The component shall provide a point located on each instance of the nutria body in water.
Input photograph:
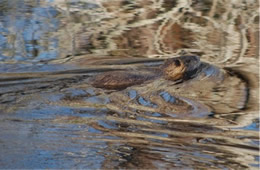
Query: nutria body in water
(174, 69)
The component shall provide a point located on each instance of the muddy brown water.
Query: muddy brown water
(51, 115)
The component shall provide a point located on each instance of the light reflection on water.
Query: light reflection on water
(25, 31)
(51, 116)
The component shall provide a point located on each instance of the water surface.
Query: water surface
(52, 117)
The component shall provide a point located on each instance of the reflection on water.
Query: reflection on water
(53, 117)
(25, 31)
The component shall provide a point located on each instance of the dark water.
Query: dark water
(51, 116)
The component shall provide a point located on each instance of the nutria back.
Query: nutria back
(119, 79)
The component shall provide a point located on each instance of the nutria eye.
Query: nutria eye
(177, 63)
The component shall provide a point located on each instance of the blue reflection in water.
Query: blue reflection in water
(132, 94)
(167, 97)
(146, 103)
(25, 31)
(38, 67)
(73, 92)
(108, 124)
(156, 115)
(93, 130)
(98, 100)
(253, 126)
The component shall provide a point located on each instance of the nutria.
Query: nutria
(174, 69)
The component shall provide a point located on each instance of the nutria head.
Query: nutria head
(178, 68)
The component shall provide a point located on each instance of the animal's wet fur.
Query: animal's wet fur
(175, 69)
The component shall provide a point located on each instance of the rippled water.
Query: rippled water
(52, 116)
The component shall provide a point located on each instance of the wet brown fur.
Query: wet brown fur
(173, 69)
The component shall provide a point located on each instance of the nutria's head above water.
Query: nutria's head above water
(183, 67)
